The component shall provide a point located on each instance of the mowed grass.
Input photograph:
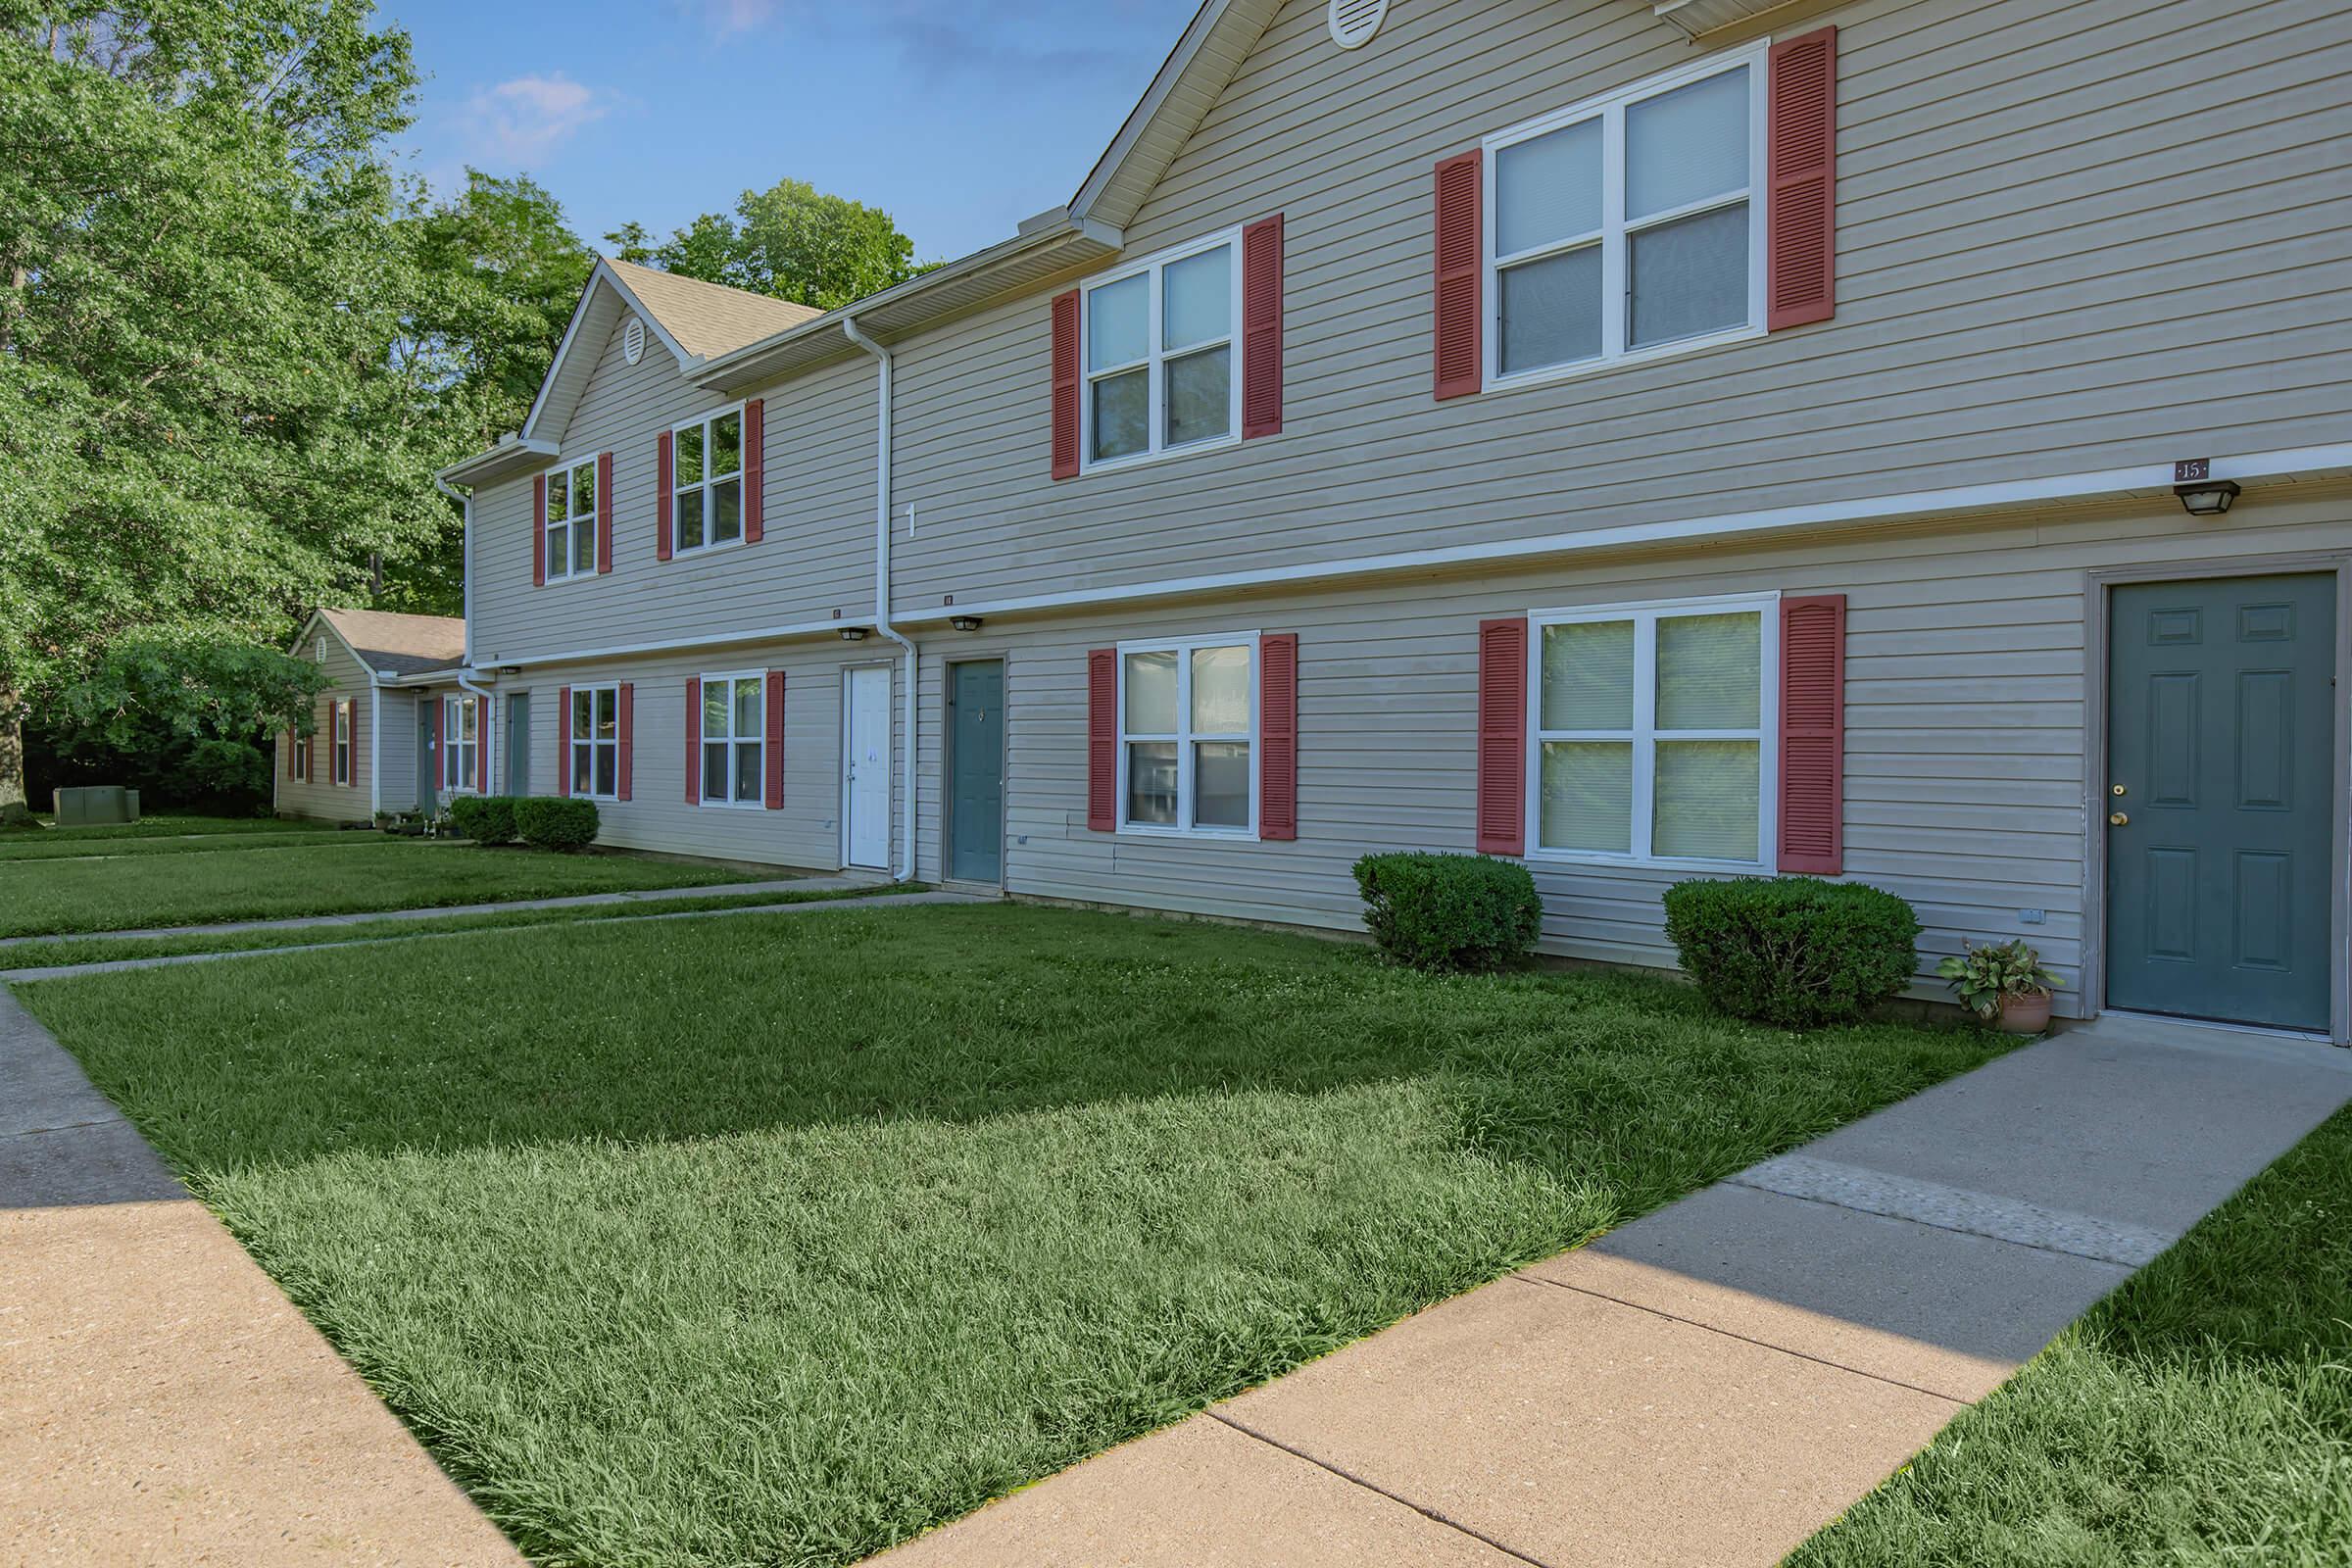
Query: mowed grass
(2202, 1414)
(83, 895)
(779, 1239)
(166, 825)
(103, 948)
(69, 845)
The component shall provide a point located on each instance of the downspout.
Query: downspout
(849, 325)
(375, 744)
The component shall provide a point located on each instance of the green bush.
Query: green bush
(555, 822)
(1794, 950)
(486, 818)
(1448, 911)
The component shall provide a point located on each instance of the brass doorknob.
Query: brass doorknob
(2116, 820)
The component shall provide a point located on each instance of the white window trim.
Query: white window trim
(547, 524)
(1613, 235)
(1644, 733)
(1156, 357)
(302, 758)
(1185, 736)
(758, 801)
(342, 757)
(743, 467)
(576, 739)
(453, 707)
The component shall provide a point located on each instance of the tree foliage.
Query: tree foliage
(175, 712)
(791, 241)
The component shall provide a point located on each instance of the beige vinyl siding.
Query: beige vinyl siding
(1966, 686)
(320, 796)
(397, 710)
(806, 832)
(816, 557)
(2060, 249)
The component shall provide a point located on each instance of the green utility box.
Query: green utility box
(88, 805)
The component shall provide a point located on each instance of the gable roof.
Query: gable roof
(1197, 72)
(397, 644)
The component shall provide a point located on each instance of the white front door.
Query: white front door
(865, 777)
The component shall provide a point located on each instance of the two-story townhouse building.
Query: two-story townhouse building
(1903, 440)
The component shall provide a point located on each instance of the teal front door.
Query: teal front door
(428, 761)
(2221, 748)
(976, 770)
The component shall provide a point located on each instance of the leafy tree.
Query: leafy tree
(178, 714)
(201, 432)
(790, 241)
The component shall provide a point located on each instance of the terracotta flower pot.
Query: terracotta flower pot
(2024, 1014)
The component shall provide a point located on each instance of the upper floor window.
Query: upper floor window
(734, 738)
(342, 762)
(1159, 350)
(707, 481)
(460, 740)
(595, 760)
(571, 522)
(1188, 719)
(1628, 225)
(1654, 732)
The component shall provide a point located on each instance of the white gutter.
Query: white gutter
(376, 741)
(882, 367)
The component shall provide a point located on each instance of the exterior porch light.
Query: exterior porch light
(852, 634)
(2201, 494)
(964, 622)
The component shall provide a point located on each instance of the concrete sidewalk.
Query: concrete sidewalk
(1715, 1382)
(161, 1402)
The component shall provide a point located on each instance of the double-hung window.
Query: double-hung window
(596, 741)
(571, 522)
(734, 739)
(707, 481)
(1161, 368)
(1655, 731)
(302, 758)
(342, 762)
(1628, 225)
(1188, 720)
(460, 740)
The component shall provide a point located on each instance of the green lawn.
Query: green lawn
(2202, 1414)
(779, 1239)
(39, 896)
(164, 825)
(106, 949)
(71, 845)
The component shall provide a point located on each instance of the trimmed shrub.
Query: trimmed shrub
(1794, 950)
(1448, 911)
(485, 819)
(555, 822)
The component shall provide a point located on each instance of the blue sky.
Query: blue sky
(959, 119)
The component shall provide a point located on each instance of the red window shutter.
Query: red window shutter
(1459, 362)
(694, 740)
(662, 502)
(1278, 736)
(1812, 809)
(627, 747)
(604, 511)
(1262, 329)
(1503, 736)
(775, 760)
(1103, 740)
(563, 740)
(1065, 384)
(539, 531)
(754, 470)
(1800, 168)
(481, 745)
(440, 766)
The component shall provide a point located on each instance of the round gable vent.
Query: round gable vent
(1354, 22)
(632, 340)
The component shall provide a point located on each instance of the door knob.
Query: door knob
(2116, 820)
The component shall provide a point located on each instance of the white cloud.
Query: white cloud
(522, 120)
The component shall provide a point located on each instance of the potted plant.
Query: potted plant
(2004, 984)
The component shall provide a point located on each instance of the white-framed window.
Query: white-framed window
(596, 742)
(302, 758)
(1187, 735)
(342, 763)
(571, 522)
(1654, 732)
(1160, 345)
(706, 457)
(734, 739)
(460, 742)
(1629, 225)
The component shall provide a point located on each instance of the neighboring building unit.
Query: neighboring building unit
(1644, 440)
(372, 746)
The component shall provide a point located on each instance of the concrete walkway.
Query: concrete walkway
(161, 1402)
(576, 901)
(1715, 1382)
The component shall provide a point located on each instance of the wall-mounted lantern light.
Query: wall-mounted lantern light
(964, 622)
(852, 634)
(2201, 494)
